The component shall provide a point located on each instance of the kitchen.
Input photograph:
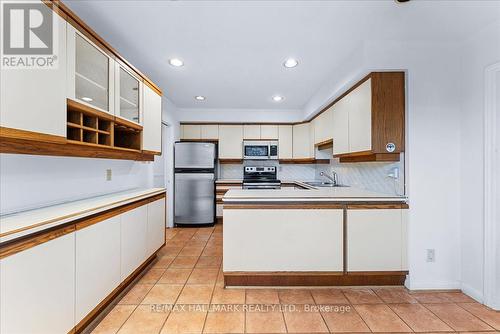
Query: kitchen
(326, 183)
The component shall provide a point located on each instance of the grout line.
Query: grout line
(487, 324)
(397, 315)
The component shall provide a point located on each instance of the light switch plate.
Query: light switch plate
(109, 174)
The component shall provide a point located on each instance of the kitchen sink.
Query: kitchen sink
(325, 184)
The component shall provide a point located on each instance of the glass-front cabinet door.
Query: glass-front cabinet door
(92, 74)
(128, 92)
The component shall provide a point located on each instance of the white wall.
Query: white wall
(478, 52)
(170, 114)
(432, 157)
(28, 181)
(432, 160)
(236, 115)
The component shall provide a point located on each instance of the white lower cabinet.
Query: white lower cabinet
(376, 240)
(133, 240)
(283, 240)
(37, 288)
(97, 264)
(156, 226)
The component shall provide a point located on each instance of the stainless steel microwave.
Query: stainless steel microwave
(260, 150)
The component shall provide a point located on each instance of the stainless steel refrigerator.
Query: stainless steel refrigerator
(194, 183)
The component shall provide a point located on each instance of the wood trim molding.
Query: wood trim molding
(67, 14)
(127, 123)
(305, 205)
(18, 245)
(313, 278)
(78, 106)
(151, 152)
(23, 243)
(230, 161)
(377, 205)
(372, 157)
(282, 206)
(326, 144)
(304, 161)
(17, 141)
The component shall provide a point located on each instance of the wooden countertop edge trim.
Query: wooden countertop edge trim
(159, 194)
(350, 206)
(69, 16)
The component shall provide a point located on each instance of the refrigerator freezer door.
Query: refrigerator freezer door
(194, 198)
(194, 155)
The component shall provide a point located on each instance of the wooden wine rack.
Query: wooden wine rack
(88, 126)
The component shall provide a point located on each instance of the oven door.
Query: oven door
(256, 151)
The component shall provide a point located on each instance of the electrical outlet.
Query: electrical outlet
(393, 173)
(109, 174)
(431, 255)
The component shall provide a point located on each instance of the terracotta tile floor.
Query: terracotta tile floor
(183, 293)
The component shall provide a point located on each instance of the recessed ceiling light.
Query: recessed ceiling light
(200, 98)
(278, 98)
(87, 99)
(290, 63)
(176, 62)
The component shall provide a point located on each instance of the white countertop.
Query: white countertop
(22, 223)
(335, 194)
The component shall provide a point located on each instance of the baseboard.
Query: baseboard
(473, 293)
(423, 285)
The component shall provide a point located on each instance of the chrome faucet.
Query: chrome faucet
(334, 179)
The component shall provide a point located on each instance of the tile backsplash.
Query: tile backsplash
(372, 176)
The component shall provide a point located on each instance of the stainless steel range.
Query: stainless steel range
(260, 178)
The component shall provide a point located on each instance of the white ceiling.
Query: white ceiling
(233, 50)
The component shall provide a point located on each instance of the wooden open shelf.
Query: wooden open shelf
(88, 126)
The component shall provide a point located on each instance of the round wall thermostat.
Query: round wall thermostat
(390, 147)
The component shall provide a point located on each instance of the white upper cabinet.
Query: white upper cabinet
(190, 131)
(152, 110)
(128, 95)
(302, 148)
(340, 127)
(360, 118)
(251, 131)
(285, 139)
(209, 131)
(269, 131)
(230, 141)
(91, 73)
(35, 99)
(322, 127)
